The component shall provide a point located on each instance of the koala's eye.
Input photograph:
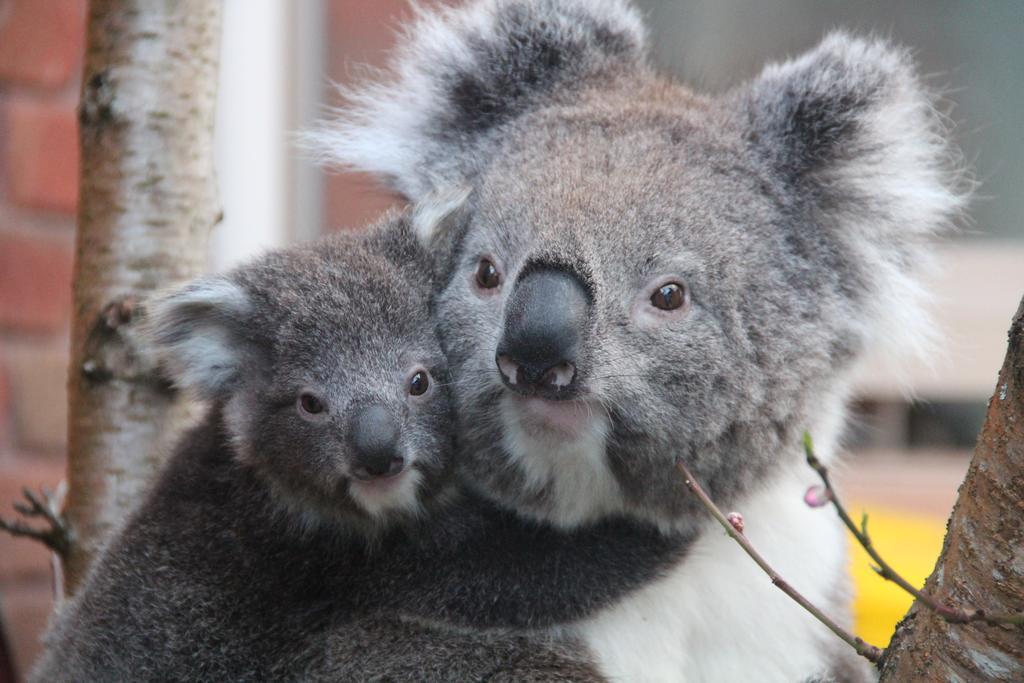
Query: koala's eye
(487, 276)
(669, 297)
(310, 403)
(419, 383)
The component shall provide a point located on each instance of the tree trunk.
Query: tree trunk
(148, 202)
(982, 560)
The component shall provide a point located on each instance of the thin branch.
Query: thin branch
(44, 506)
(883, 569)
(866, 650)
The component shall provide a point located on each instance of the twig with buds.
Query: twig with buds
(733, 525)
(44, 506)
(817, 497)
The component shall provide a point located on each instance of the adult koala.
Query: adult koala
(644, 273)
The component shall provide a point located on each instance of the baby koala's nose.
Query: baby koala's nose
(375, 444)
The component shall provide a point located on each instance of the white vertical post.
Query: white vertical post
(250, 121)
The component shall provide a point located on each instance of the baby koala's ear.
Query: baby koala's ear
(438, 214)
(422, 240)
(199, 334)
(438, 221)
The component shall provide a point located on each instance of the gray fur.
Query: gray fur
(796, 209)
(252, 558)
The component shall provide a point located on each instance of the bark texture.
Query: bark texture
(982, 560)
(148, 201)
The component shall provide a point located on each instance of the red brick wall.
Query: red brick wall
(41, 43)
(358, 33)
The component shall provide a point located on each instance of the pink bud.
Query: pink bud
(817, 496)
(736, 519)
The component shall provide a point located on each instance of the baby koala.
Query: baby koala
(302, 505)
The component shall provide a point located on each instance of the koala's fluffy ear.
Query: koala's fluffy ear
(198, 334)
(421, 243)
(462, 72)
(434, 218)
(438, 222)
(850, 125)
(859, 147)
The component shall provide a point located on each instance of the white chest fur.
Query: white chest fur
(582, 486)
(717, 617)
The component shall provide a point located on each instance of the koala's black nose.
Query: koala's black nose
(375, 443)
(545, 321)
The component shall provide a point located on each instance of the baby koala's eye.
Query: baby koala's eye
(487, 276)
(670, 296)
(311, 403)
(419, 383)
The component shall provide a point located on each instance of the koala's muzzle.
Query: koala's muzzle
(545, 322)
(375, 434)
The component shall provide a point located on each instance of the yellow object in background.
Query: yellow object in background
(910, 544)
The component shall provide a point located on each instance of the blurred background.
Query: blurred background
(279, 58)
